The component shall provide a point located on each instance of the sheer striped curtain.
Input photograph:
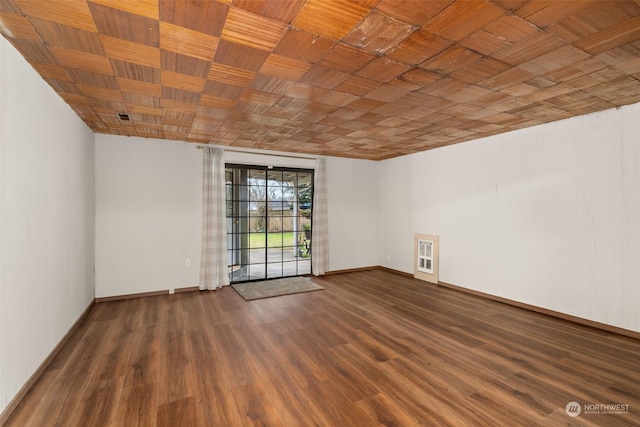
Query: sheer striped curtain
(214, 271)
(320, 229)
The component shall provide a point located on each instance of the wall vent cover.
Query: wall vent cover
(425, 258)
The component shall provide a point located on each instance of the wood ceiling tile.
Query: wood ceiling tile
(51, 71)
(306, 91)
(383, 70)
(612, 37)
(462, 18)
(393, 109)
(136, 53)
(82, 60)
(147, 131)
(34, 52)
(367, 105)
(378, 34)
(392, 122)
(499, 34)
(180, 132)
(147, 8)
(240, 56)
(576, 69)
(140, 99)
(271, 84)
(558, 58)
(597, 16)
(74, 13)
(420, 77)
(124, 25)
(303, 46)
(91, 78)
(330, 121)
(367, 78)
(511, 5)
(347, 59)
(484, 42)
(614, 89)
(324, 77)
(630, 67)
(107, 106)
(469, 93)
(443, 87)
(329, 18)
(340, 99)
(180, 95)
(620, 54)
(62, 86)
(519, 89)
(543, 13)
(595, 79)
(277, 9)
(550, 92)
(222, 90)
(568, 98)
(183, 64)
(187, 42)
(68, 37)
(131, 71)
(480, 70)
(419, 46)
(252, 30)
(209, 114)
(202, 16)
(508, 78)
(100, 92)
(540, 82)
(529, 48)
(510, 104)
(182, 81)
(347, 114)
(75, 99)
(230, 75)
(10, 7)
(252, 96)
(140, 87)
(217, 102)
(322, 109)
(365, 121)
(406, 11)
(284, 67)
(18, 27)
(451, 60)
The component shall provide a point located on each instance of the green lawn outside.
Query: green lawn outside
(273, 240)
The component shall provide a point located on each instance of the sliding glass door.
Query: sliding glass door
(268, 222)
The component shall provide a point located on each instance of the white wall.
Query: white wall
(548, 216)
(148, 215)
(353, 213)
(46, 220)
(148, 212)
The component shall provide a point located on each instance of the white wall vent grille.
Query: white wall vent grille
(426, 257)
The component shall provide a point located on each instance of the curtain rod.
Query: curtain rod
(200, 147)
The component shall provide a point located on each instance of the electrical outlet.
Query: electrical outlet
(172, 291)
(187, 262)
(388, 258)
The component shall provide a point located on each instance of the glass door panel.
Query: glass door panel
(268, 222)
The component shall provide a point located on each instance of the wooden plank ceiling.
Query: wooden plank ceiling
(370, 79)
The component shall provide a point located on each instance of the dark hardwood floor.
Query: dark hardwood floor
(373, 348)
